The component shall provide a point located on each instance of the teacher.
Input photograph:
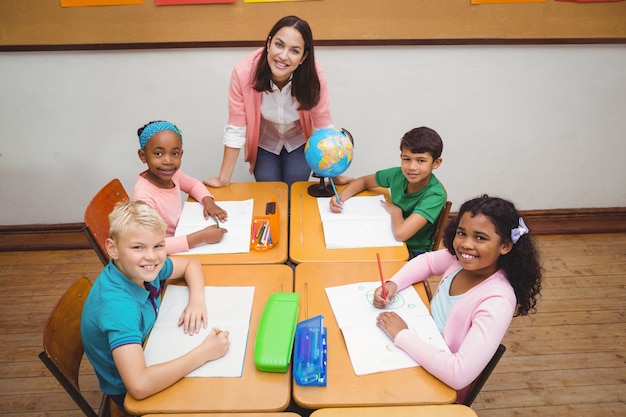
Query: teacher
(277, 98)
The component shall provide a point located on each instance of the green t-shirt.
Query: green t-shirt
(426, 202)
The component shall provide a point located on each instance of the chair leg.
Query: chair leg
(116, 411)
(104, 410)
(429, 291)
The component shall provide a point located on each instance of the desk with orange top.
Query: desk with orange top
(447, 410)
(413, 386)
(254, 391)
(262, 193)
(306, 234)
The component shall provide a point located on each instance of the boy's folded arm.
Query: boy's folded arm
(357, 185)
(191, 270)
(142, 381)
(404, 229)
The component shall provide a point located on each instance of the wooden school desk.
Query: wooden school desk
(254, 391)
(282, 414)
(262, 193)
(413, 386)
(447, 410)
(306, 235)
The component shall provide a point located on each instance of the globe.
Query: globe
(328, 152)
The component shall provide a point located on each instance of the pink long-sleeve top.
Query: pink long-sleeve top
(473, 330)
(244, 105)
(169, 205)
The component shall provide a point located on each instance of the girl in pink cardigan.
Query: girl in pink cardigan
(491, 273)
(161, 149)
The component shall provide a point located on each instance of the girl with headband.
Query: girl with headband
(161, 148)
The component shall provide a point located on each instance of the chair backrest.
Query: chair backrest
(479, 382)
(97, 216)
(441, 224)
(439, 227)
(62, 343)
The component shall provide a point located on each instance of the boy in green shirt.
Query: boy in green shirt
(417, 196)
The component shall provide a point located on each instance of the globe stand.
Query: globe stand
(321, 190)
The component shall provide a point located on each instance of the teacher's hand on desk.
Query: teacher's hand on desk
(215, 182)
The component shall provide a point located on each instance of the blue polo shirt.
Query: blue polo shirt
(117, 312)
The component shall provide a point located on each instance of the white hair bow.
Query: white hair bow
(519, 231)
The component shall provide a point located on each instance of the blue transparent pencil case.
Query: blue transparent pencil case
(310, 353)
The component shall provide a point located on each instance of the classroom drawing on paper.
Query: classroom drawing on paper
(369, 347)
(237, 240)
(228, 308)
(363, 223)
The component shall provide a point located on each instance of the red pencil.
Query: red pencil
(382, 279)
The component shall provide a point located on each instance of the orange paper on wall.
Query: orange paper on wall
(506, 1)
(82, 3)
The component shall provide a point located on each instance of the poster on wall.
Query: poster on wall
(505, 1)
(178, 2)
(82, 3)
(590, 1)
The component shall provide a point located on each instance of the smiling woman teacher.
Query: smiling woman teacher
(277, 98)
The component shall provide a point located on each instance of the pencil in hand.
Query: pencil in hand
(332, 183)
(382, 278)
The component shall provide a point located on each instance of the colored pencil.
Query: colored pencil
(382, 278)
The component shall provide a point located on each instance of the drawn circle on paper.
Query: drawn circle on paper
(396, 302)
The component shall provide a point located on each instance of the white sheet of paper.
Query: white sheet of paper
(228, 308)
(363, 223)
(236, 240)
(369, 348)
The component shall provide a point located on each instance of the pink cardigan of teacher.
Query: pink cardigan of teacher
(244, 105)
(475, 326)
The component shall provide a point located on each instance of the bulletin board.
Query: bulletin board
(38, 24)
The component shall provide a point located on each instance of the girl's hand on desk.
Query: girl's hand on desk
(380, 301)
(212, 234)
(213, 210)
(335, 207)
(194, 318)
(391, 323)
(215, 345)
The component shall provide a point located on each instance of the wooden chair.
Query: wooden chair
(439, 228)
(97, 216)
(441, 225)
(63, 348)
(479, 382)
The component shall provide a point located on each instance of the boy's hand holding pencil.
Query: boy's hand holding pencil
(336, 206)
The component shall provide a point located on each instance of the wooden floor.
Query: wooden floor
(566, 360)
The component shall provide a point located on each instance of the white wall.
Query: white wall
(541, 125)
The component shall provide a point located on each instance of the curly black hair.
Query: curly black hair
(521, 265)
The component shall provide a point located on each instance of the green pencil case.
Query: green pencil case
(276, 332)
